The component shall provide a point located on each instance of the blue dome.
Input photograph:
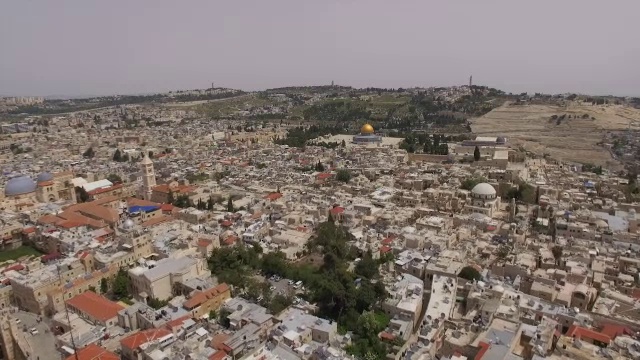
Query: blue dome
(19, 185)
(45, 176)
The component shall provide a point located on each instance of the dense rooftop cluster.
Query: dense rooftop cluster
(148, 232)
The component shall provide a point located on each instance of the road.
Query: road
(43, 344)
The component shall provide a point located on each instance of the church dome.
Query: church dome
(483, 189)
(367, 129)
(128, 224)
(19, 185)
(45, 176)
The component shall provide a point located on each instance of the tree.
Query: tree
(104, 286)
(117, 155)
(367, 267)
(81, 194)
(121, 285)
(319, 167)
(503, 252)
(279, 303)
(230, 207)
(476, 153)
(89, 153)
(157, 303)
(470, 183)
(470, 273)
(114, 178)
(557, 253)
(343, 143)
(343, 175)
(223, 317)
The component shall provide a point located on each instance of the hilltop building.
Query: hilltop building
(367, 135)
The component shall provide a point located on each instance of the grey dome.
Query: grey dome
(484, 189)
(45, 176)
(19, 185)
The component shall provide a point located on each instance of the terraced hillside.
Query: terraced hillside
(570, 133)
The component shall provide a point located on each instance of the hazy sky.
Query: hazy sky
(132, 46)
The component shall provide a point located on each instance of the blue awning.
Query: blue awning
(147, 208)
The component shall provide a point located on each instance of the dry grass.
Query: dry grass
(574, 139)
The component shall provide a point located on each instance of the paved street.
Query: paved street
(42, 344)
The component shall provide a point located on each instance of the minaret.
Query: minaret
(149, 176)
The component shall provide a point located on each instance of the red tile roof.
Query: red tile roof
(29, 230)
(323, 176)
(177, 322)
(387, 336)
(105, 189)
(200, 297)
(93, 352)
(167, 207)
(613, 330)
(16, 267)
(134, 341)
(180, 189)
(273, 196)
(218, 355)
(95, 306)
(484, 347)
(204, 242)
(230, 240)
(583, 333)
(337, 210)
(384, 249)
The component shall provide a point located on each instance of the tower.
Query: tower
(471, 81)
(148, 176)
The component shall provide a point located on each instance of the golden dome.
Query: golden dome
(366, 129)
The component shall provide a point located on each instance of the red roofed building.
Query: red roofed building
(484, 347)
(588, 335)
(218, 355)
(131, 344)
(337, 212)
(100, 193)
(323, 178)
(95, 308)
(161, 193)
(202, 302)
(613, 330)
(273, 196)
(384, 249)
(93, 352)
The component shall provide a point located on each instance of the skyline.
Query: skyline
(82, 49)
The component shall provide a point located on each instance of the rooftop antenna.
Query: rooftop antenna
(66, 310)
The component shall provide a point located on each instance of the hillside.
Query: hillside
(571, 133)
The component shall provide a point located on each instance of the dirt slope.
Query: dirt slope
(575, 139)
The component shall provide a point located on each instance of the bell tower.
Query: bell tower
(148, 177)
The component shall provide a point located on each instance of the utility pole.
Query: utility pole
(66, 310)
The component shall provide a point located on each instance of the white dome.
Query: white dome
(483, 189)
(128, 224)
